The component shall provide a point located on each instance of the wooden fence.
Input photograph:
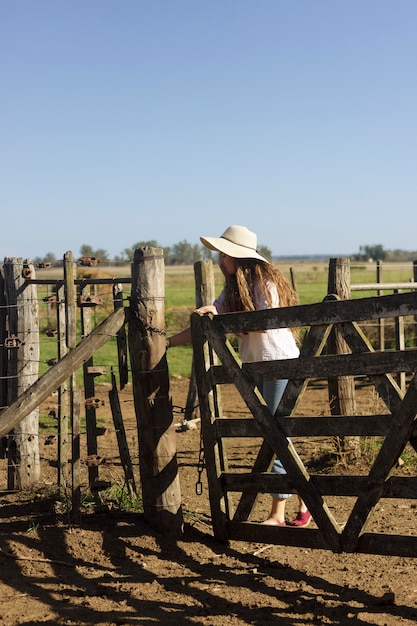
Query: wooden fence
(331, 324)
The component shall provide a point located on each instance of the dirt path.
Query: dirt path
(114, 570)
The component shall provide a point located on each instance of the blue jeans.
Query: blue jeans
(272, 391)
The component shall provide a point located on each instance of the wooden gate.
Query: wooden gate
(217, 363)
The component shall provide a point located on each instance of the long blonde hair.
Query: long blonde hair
(240, 287)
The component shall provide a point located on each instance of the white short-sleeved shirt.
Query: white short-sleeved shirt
(270, 345)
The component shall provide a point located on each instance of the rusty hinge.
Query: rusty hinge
(89, 300)
(26, 272)
(52, 298)
(93, 460)
(51, 362)
(93, 403)
(89, 261)
(12, 341)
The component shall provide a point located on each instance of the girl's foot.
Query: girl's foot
(302, 520)
(273, 522)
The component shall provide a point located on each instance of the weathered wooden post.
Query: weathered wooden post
(293, 279)
(64, 409)
(415, 317)
(89, 387)
(342, 389)
(3, 358)
(204, 294)
(22, 344)
(381, 322)
(74, 404)
(151, 391)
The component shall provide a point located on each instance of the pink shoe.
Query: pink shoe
(302, 520)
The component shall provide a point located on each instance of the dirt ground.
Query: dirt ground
(114, 570)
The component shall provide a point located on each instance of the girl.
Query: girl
(253, 283)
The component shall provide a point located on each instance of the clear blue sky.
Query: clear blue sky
(133, 120)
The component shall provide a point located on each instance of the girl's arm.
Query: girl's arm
(184, 336)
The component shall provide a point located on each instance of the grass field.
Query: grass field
(310, 280)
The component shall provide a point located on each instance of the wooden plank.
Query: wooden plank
(70, 299)
(358, 364)
(341, 387)
(204, 294)
(64, 400)
(328, 312)
(121, 437)
(76, 458)
(329, 485)
(89, 391)
(3, 357)
(369, 543)
(256, 533)
(389, 545)
(306, 426)
(209, 410)
(122, 356)
(70, 273)
(53, 378)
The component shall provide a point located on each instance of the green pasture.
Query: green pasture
(310, 281)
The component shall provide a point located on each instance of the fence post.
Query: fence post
(415, 317)
(293, 279)
(341, 389)
(70, 273)
(22, 369)
(64, 409)
(89, 390)
(121, 338)
(381, 322)
(3, 358)
(151, 392)
(204, 294)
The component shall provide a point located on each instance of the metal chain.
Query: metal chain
(200, 467)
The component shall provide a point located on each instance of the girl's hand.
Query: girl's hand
(208, 308)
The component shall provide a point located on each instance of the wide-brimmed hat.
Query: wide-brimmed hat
(237, 242)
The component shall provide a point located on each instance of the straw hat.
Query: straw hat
(237, 242)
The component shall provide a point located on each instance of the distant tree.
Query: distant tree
(146, 244)
(375, 252)
(184, 253)
(266, 252)
(128, 253)
(50, 257)
(206, 253)
(87, 250)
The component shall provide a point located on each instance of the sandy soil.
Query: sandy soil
(114, 570)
